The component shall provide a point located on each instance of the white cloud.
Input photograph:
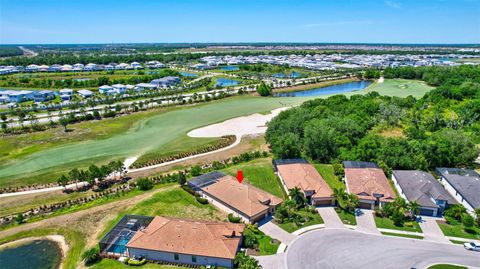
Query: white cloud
(393, 4)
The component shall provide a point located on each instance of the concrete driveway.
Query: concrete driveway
(275, 232)
(343, 248)
(366, 221)
(431, 230)
(330, 217)
(276, 261)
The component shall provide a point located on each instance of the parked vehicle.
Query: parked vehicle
(472, 246)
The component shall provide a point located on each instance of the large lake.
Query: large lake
(333, 89)
(38, 254)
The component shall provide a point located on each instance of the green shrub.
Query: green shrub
(233, 219)
(468, 220)
(91, 256)
(137, 263)
(189, 189)
(201, 200)
(144, 184)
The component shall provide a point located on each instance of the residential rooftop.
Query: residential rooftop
(365, 182)
(422, 187)
(193, 237)
(243, 197)
(465, 181)
(299, 173)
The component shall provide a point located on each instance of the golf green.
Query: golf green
(153, 133)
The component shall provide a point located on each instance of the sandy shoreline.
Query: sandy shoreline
(59, 239)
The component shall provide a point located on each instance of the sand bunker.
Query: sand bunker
(247, 125)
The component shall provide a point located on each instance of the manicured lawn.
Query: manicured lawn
(260, 174)
(446, 266)
(346, 217)
(400, 87)
(175, 203)
(114, 264)
(292, 227)
(326, 171)
(267, 245)
(456, 229)
(387, 223)
(403, 235)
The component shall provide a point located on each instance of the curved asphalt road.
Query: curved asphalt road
(342, 248)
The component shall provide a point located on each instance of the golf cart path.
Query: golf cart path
(239, 126)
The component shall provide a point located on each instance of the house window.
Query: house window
(194, 259)
(175, 256)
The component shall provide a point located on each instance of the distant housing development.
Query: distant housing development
(241, 199)
(369, 183)
(421, 187)
(299, 173)
(463, 185)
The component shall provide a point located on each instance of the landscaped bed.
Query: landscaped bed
(314, 218)
(386, 223)
(446, 266)
(457, 229)
(346, 217)
(259, 243)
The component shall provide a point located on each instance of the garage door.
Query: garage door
(323, 202)
(426, 212)
(365, 205)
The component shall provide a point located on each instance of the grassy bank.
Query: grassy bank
(75, 239)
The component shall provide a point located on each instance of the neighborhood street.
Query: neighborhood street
(343, 248)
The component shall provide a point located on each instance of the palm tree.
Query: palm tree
(297, 196)
(339, 195)
(414, 208)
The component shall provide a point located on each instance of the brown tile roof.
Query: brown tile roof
(191, 237)
(364, 182)
(306, 177)
(243, 197)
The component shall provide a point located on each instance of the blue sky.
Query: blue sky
(148, 21)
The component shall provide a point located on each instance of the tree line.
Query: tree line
(439, 130)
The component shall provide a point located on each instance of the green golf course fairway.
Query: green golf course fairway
(152, 133)
(397, 87)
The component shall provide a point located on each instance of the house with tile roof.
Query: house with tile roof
(299, 173)
(241, 199)
(463, 185)
(369, 183)
(422, 187)
(191, 242)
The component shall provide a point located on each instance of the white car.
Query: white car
(472, 246)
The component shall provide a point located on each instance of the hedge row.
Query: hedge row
(226, 141)
(48, 209)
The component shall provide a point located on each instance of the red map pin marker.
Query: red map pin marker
(239, 176)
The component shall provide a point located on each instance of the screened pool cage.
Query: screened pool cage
(115, 241)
